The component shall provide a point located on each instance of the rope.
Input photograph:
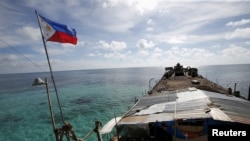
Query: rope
(67, 130)
(90, 133)
(19, 53)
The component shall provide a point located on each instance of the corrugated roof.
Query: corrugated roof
(188, 104)
(236, 108)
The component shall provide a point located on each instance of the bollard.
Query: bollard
(235, 87)
(97, 130)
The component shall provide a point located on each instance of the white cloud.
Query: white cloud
(247, 42)
(80, 43)
(144, 44)
(173, 38)
(117, 15)
(142, 6)
(91, 55)
(30, 32)
(54, 50)
(157, 52)
(143, 53)
(239, 33)
(97, 53)
(115, 20)
(7, 58)
(150, 22)
(110, 3)
(114, 55)
(216, 46)
(234, 51)
(236, 54)
(115, 46)
(67, 45)
(195, 28)
(238, 23)
(177, 39)
(175, 54)
(149, 29)
(117, 56)
(184, 17)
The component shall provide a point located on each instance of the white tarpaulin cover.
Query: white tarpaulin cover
(110, 125)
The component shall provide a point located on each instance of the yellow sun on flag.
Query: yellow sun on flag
(48, 28)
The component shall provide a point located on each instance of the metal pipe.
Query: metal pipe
(249, 94)
(50, 108)
(175, 117)
(51, 72)
(235, 87)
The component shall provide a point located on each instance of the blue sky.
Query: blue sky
(125, 33)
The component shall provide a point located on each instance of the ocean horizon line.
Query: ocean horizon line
(109, 68)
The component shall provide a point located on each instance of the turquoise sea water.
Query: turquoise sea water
(86, 96)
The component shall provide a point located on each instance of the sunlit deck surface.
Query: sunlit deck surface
(183, 82)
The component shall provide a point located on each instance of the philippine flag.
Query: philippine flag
(57, 32)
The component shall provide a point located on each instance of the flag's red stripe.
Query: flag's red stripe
(62, 37)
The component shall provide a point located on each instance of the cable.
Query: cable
(22, 55)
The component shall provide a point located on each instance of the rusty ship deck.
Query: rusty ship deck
(183, 82)
(186, 103)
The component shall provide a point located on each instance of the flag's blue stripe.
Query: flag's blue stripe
(60, 27)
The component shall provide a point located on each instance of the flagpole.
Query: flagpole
(51, 73)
